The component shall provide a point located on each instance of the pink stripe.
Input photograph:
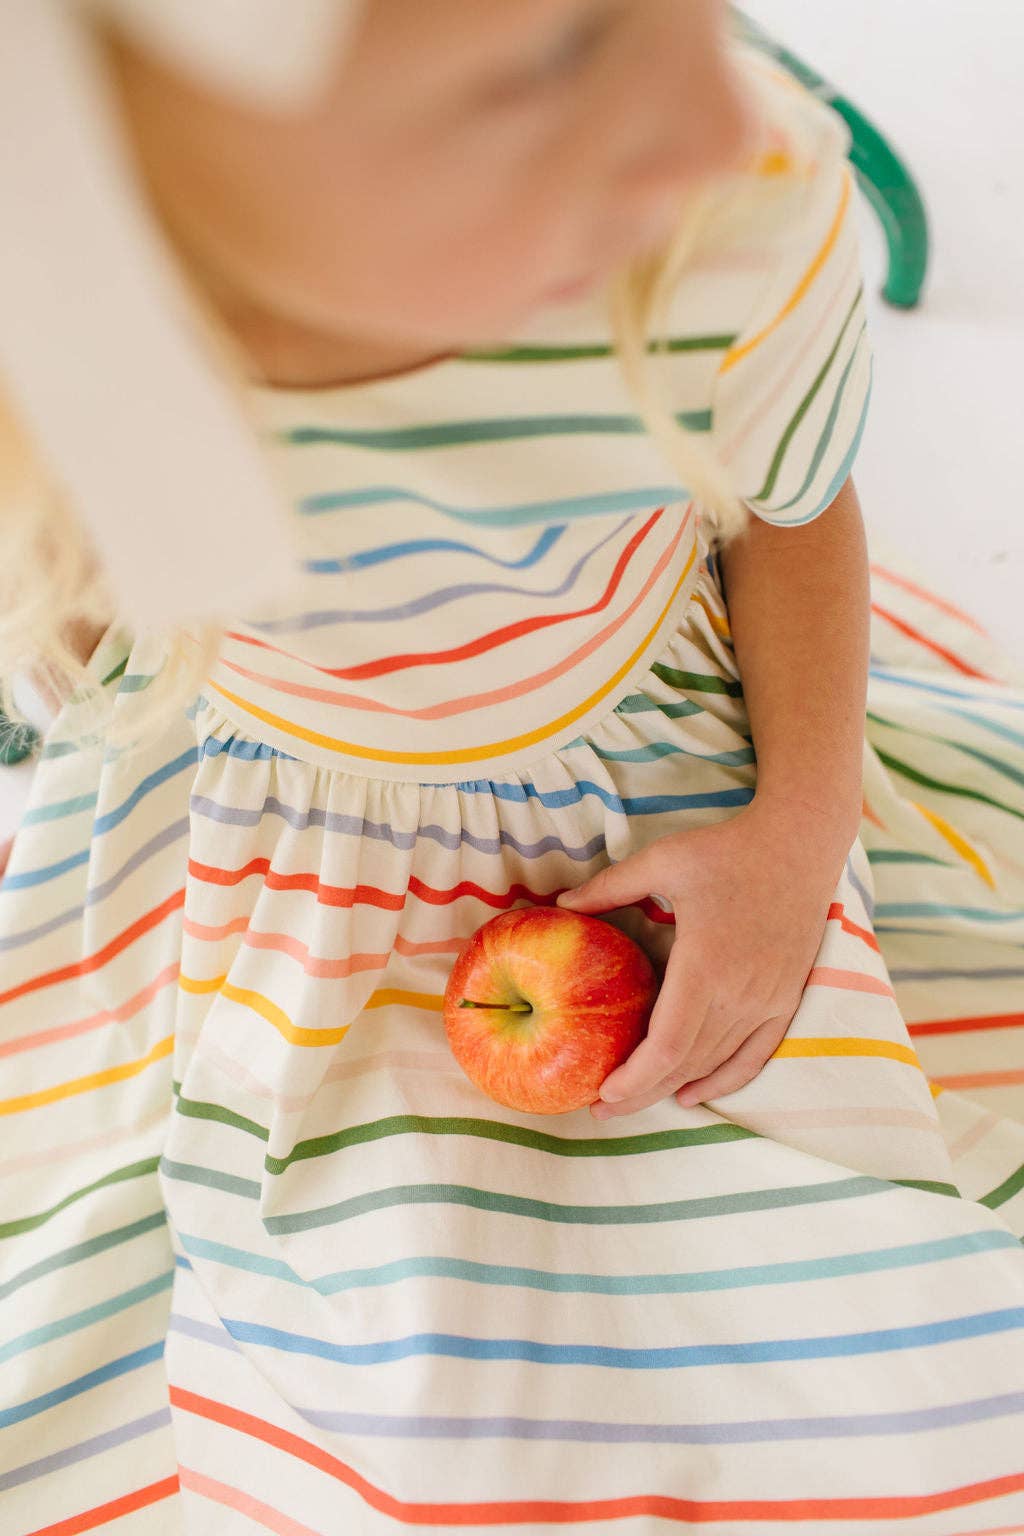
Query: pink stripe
(95, 1020)
(233, 1498)
(929, 597)
(848, 981)
(475, 700)
(51, 1155)
(314, 965)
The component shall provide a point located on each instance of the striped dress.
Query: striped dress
(268, 1260)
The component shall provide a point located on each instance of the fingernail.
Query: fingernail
(612, 1095)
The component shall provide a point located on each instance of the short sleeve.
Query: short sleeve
(790, 398)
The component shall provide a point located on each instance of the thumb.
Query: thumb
(618, 885)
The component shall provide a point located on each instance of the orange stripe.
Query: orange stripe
(487, 642)
(930, 597)
(95, 1020)
(736, 354)
(565, 1512)
(485, 749)
(869, 815)
(931, 645)
(958, 1026)
(848, 981)
(102, 1514)
(97, 961)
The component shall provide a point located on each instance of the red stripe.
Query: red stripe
(102, 1514)
(837, 912)
(932, 645)
(97, 961)
(563, 1512)
(486, 642)
(954, 1026)
(366, 895)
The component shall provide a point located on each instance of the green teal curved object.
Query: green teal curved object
(16, 741)
(883, 177)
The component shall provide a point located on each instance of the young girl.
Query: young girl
(269, 1260)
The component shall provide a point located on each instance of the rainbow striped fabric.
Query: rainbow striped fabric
(268, 1261)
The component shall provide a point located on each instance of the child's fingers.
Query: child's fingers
(738, 1069)
(617, 885)
(678, 1015)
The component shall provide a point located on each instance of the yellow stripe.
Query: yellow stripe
(960, 844)
(388, 995)
(844, 1045)
(463, 754)
(266, 1010)
(936, 1089)
(190, 984)
(718, 624)
(162, 1048)
(736, 354)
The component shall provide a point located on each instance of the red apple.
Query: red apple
(543, 1003)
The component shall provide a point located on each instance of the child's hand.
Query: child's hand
(751, 902)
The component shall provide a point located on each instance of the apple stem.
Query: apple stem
(505, 1007)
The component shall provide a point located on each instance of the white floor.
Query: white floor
(938, 463)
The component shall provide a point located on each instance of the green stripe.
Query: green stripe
(995, 763)
(804, 406)
(574, 1215)
(640, 704)
(451, 434)
(697, 682)
(949, 789)
(1004, 1191)
(117, 1176)
(116, 673)
(485, 1130)
(197, 1109)
(902, 856)
(512, 1135)
(932, 1186)
(68, 1256)
(539, 354)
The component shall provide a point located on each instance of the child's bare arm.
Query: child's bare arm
(799, 610)
(750, 894)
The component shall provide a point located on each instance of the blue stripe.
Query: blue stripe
(47, 872)
(750, 1352)
(945, 692)
(152, 781)
(825, 438)
(379, 556)
(635, 805)
(438, 598)
(514, 515)
(120, 1367)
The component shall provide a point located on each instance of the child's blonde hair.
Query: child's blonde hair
(53, 594)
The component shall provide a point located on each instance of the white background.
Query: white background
(940, 463)
(939, 467)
